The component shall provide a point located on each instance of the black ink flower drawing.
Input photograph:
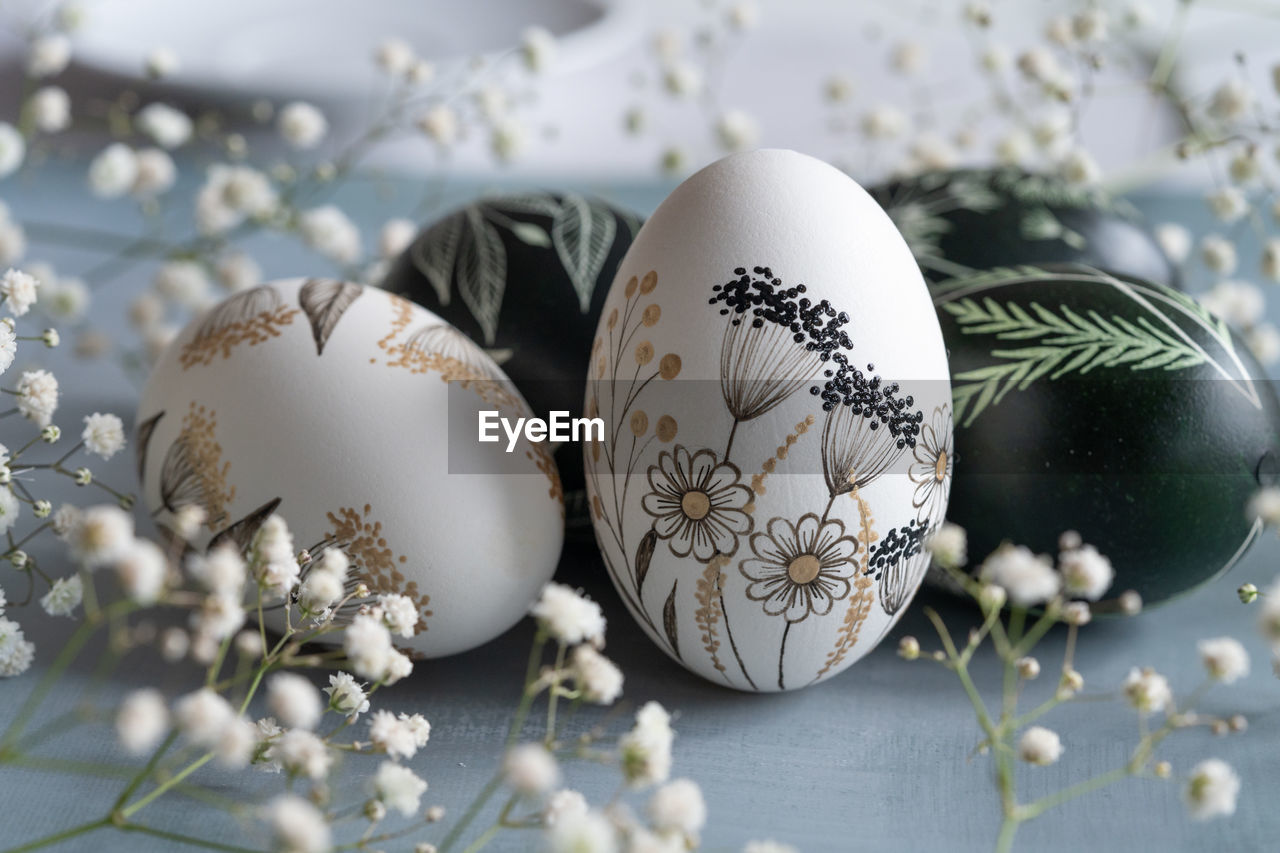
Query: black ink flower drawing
(697, 503)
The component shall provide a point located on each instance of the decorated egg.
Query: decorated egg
(776, 418)
(352, 413)
(524, 277)
(974, 219)
(1110, 406)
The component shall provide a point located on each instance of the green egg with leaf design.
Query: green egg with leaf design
(1108, 405)
(962, 221)
(524, 276)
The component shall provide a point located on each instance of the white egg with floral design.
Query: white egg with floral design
(777, 443)
(352, 414)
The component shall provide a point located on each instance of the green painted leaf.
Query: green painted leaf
(436, 252)
(583, 235)
(482, 272)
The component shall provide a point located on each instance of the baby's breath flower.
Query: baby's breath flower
(1219, 254)
(50, 109)
(301, 753)
(102, 535)
(682, 79)
(221, 569)
(591, 832)
(298, 826)
(569, 616)
(367, 643)
(1085, 573)
(10, 509)
(1147, 690)
(948, 544)
(1212, 790)
(236, 744)
(538, 49)
(908, 57)
(646, 750)
(51, 434)
(884, 122)
(1039, 746)
(346, 695)
(1027, 578)
(1014, 148)
(160, 63)
(440, 124)
(37, 396)
(167, 127)
(40, 509)
(1028, 668)
(51, 338)
(320, 590)
(1079, 167)
(302, 125)
(909, 648)
(1090, 25)
(16, 651)
(13, 148)
(398, 737)
(1224, 659)
(394, 56)
(564, 804)
(1076, 613)
(1231, 100)
(20, 291)
(598, 678)
(399, 614)
(294, 700)
(202, 716)
(737, 130)
(8, 346)
(113, 171)
(237, 272)
(156, 173)
(220, 615)
(142, 720)
(18, 558)
(838, 89)
(49, 55)
(249, 645)
(994, 59)
(232, 193)
(678, 808)
(1175, 240)
(103, 434)
(83, 476)
(395, 237)
(530, 768)
(1130, 602)
(64, 596)
(1240, 303)
(1228, 204)
(673, 160)
(508, 139)
(331, 233)
(184, 283)
(399, 788)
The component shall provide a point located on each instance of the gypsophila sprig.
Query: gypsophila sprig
(1040, 595)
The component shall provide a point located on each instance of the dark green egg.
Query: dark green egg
(525, 277)
(1111, 406)
(976, 219)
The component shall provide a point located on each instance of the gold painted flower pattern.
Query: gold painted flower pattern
(373, 559)
(193, 472)
(931, 470)
(698, 504)
(801, 568)
(252, 317)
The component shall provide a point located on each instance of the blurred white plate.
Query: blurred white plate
(323, 49)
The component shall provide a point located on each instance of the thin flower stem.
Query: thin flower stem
(513, 734)
(159, 790)
(146, 771)
(498, 825)
(59, 837)
(1008, 828)
(185, 839)
(554, 696)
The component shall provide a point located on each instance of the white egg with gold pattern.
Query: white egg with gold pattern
(352, 414)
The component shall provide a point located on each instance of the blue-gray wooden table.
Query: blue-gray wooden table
(878, 758)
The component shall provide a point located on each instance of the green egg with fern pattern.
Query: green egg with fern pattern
(1089, 401)
(523, 276)
(967, 220)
